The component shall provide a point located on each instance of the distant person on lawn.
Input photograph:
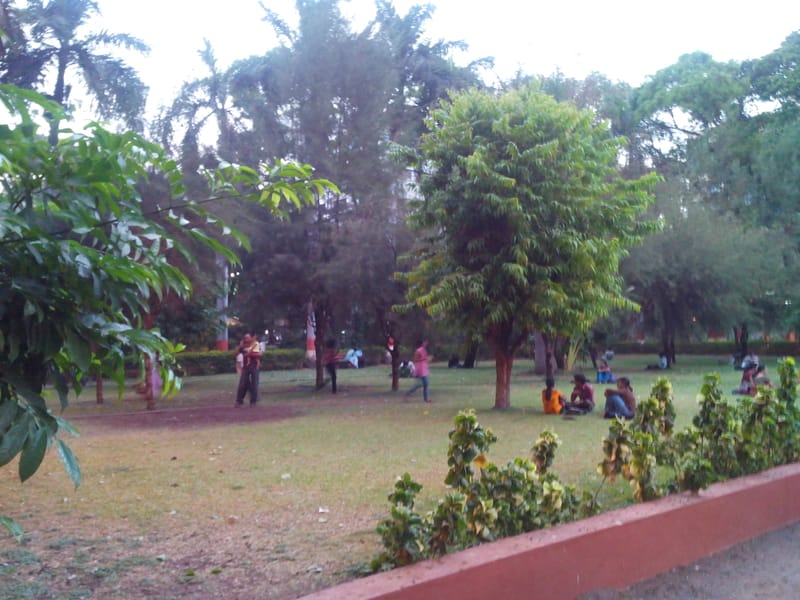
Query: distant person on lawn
(552, 400)
(421, 358)
(248, 380)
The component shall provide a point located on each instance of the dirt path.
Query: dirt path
(766, 567)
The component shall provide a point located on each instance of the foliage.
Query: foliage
(404, 533)
(493, 503)
(47, 38)
(544, 451)
(496, 502)
(522, 197)
(83, 262)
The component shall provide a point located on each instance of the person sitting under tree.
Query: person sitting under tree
(552, 400)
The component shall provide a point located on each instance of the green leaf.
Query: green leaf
(13, 439)
(13, 527)
(32, 453)
(8, 410)
(70, 462)
(65, 425)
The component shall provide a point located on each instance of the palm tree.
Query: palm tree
(57, 48)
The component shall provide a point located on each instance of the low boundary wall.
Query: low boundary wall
(609, 551)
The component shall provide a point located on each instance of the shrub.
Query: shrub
(489, 502)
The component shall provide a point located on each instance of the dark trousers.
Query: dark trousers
(331, 367)
(248, 381)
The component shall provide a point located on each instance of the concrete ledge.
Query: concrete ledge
(612, 550)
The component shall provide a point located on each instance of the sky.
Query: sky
(626, 40)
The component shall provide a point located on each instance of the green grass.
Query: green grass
(307, 489)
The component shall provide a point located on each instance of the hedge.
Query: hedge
(276, 359)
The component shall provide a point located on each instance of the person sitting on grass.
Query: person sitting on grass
(747, 384)
(620, 401)
(760, 379)
(581, 400)
(663, 362)
(552, 400)
(604, 374)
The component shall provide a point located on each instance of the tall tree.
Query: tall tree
(525, 218)
(58, 53)
(340, 100)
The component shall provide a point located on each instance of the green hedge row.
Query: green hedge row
(216, 361)
(760, 347)
(276, 359)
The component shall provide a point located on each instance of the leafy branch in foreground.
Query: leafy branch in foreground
(82, 262)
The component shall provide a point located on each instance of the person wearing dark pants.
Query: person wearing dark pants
(248, 381)
(329, 359)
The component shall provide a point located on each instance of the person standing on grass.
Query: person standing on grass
(421, 359)
(248, 380)
(330, 358)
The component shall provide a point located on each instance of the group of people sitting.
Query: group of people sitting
(754, 375)
(620, 400)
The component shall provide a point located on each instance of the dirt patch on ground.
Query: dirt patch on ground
(214, 414)
(189, 418)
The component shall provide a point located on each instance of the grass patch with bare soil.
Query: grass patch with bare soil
(203, 500)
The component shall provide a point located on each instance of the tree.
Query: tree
(339, 100)
(82, 261)
(703, 272)
(54, 49)
(525, 218)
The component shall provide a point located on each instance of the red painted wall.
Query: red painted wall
(612, 550)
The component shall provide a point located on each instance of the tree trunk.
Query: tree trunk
(319, 350)
(392, 347)
(504, 361)
(149, 397)
(471, 355)
(549, 344)
(98, 388)
(540, 361)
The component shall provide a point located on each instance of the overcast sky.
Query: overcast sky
(626, 40)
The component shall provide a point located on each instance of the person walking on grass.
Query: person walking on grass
(248, 380)
(421, 359)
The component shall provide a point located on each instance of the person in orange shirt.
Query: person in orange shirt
(552, 400)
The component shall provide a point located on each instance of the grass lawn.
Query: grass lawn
(274, 508)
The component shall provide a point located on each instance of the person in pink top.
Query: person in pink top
(421, 359)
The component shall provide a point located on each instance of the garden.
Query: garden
(200, 499)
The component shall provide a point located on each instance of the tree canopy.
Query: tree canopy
(524, 218)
